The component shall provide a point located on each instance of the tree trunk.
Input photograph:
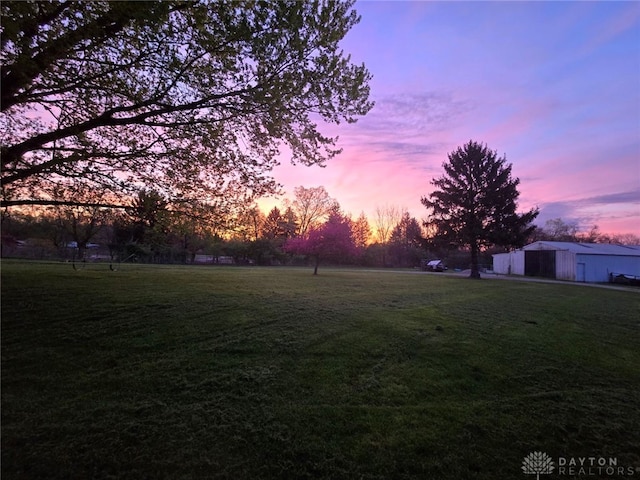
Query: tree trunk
(82, 248)
(475, 271)
(315, 270)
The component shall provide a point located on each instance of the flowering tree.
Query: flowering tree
(332, 240)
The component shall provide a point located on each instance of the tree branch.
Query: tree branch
(107, 119)
(63, 203)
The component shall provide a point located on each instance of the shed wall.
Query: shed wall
(565, 265)
(511, 263)
(598, 267)
(517, 262)
(501, 263)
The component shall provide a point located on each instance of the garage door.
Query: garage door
(540, 263)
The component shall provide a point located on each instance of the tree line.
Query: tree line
(153, 229)
(309, 229)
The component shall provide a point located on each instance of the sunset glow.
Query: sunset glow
(553, 86)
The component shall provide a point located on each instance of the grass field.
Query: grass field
(258, 373)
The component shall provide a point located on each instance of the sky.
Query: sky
(552, 86)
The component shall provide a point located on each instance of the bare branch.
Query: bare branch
(53, 203)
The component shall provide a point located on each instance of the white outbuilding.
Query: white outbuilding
(580, 262)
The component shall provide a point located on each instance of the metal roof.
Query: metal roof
(587, 248)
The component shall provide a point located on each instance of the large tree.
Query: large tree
(190, 98)
(475, 202)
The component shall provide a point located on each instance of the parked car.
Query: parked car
(434, 266)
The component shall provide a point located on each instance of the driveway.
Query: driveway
(521, 278)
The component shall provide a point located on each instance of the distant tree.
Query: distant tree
(79, 215)
(332, 240)
(475, 201)
(18, 225)
(289, 223)
(186, 97)
(558, 230)
(406, 241)
(374, 255)
(238, 249)
(593, 235)
(250, 221)
(271, 227)
(145, 228)
(386, 218)
(621, 239)
(265, 251)
(187, 235)
(149, 211)
(361, 231)
(311, 207)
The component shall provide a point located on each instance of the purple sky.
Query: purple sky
(553, 86)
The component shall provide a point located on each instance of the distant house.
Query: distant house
(579, 262)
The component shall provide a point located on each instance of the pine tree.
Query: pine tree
(474, 204)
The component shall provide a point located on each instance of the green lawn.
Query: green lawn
(256, 373)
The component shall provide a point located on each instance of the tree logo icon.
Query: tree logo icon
(537, 463)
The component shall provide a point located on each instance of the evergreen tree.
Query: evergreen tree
(406, 241)
(474, 204)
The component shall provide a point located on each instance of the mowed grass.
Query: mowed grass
(259, 373)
